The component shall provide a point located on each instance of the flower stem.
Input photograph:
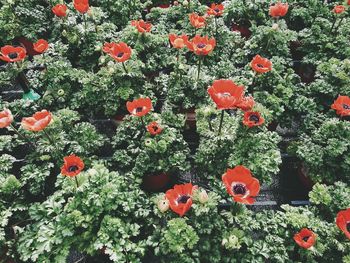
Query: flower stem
(335, 20)
(143, 123)
(76, 181)
(85, 24)
(53, 143)
(199, 67)
(339, 24)
(125, 69)
(22, 136)
(216, 27)
(221, 121)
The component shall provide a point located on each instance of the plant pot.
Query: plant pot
(304, 178)
(156, 183)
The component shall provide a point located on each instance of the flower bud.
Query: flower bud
(275, 26)
(60, 92)
(203, 196)
(163, 205)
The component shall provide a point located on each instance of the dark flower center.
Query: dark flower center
(73, 168)
(305, 239)
(260, 65)
(217, 10)
(155, 128)
(201, 45)
(346, 106)
(183, 199)
(348, 226)
(239, 189)
(120, 54)
(139, 109)
(13, 55)
(254, 118)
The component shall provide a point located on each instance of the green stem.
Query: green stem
(76, 180)
(143, 123)
(216, 27)
(221, 121)
(339, 24)
(335, 20)
(22, 136)
(53, 143)
(125, 69)
(199, 67)
(85, 24)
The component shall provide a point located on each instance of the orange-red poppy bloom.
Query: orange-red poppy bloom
(252, 118)
(154, 128)
(82, 6)
(201, 46)
(348, 2)
(196, 20)
(41, 46)
(60, 10)
(141, 26)
(241, 185)
(339, 9)
(38, 121)
(72, 166)
(247, 103)
(343, 222)
(305, 238)
(260, 64)
(178, 41)
(121, 52)
(139, 107)
(226, 94)
(180, 198)
(12, 54)
(279, 9)
(342, 106)
(6, 118)
(215, 10)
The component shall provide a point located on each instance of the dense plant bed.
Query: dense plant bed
(174, 131)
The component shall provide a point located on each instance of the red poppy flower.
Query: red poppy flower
(260, 64)
(38, 121)
(252, 118)
(343, 221)
(305, 238)
(60, 10)
(196, 20)
(178, 41)
(180, 198)
(338, 9)
(215, 10)
(141, 26)
(154, 128)
(246, 104)
(342, 106)
(348, 2)
(12, 54)
(139, 107)
(201, 46)
(6, 118)
(82, 6)
(121, 52)
(226, 94)
(72, 166)
(41, 46)
(279, 9)
(241, 185)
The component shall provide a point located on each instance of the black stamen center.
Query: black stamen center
(239, 189)
(260, 66)
(183, 199)
(346, 106)
(73, 168)
(217, 10)
(13, 55)
(139, 109)
(348, 226)
(305, 239)
(155, 128)
(120, 54)
(254, 118)
(201, 45)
